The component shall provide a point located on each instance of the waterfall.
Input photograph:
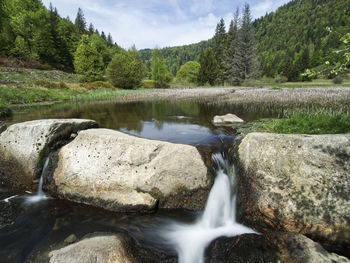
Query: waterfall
(218, 219)
(39, 195)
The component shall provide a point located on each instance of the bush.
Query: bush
(148, 84)
(281, 79)
(98, 85)
(338, 80)
(43, 83)
(252, 83)
(188, 73)
(126, 70)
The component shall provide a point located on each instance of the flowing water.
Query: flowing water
(218, 219)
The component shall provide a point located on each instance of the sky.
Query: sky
(159, 23)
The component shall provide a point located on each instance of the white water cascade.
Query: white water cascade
(218, 219)
(39, 195)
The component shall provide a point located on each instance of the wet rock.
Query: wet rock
(296, 183)
(120, 172)
(3, 126)
(24, 146)
(71, 239)
(270, 247)
(98, 249)
(226, 119)
(5, 113)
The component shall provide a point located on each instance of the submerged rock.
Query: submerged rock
(24, 146)
(296, 183)
(270, 247)
(120, 172)
(98, 249)
(226, 119)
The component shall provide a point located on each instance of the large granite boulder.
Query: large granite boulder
(120, 172)
(24, 147)
(98, 249)
(269, 247)
(296, 183)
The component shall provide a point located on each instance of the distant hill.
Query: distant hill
(175, 57)
(295, 35)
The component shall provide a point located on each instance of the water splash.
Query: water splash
(218, 219)
(40, 194)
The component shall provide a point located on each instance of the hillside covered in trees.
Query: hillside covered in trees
(291, 39)
(39, 37)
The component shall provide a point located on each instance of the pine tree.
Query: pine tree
(219, 45)
(208, 68)
(245, 60)
(87, 61)
(109, 40)
(80, 22)
(103, 35)
(91, 29)
(232, 38)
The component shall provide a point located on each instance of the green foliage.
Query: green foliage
(80, 22)
(219, 46)
(319, 122)
(160, 74)
(148, 84)
(208, 67)
(126, 70)
(175, 57)
(98, 85)
(87, 61)
(298, 26)
(338, 80)
(188, 73)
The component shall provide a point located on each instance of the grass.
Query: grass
(311, 122)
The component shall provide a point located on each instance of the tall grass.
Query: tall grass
(311, 122)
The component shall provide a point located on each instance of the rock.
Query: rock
(120, 172)
(296, 183)
(71, 239)
(3, 126)
(24, 147)
(226, 119)
(270, 247)
(99, 249)
(5, 113)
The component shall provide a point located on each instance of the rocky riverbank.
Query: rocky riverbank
(287, 183)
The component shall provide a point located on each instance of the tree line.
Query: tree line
(32, 33)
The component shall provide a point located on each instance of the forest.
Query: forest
(297, 42)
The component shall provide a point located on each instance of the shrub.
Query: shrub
(338, 80)
(148, 84)
(252, 83)
(188, 73)
(281, 79)
(98, 85)
(126, 70)
(43, 83)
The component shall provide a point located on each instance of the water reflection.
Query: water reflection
(180, 122)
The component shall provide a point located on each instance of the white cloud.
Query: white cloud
(156, 22)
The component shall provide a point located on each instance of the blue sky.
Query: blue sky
(159, 23)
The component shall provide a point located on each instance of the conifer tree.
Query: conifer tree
(208, 68)
(109, 40)
(91, 29)
(232, 38)
(87, 61)
(80, 22)
(219, 45)
(245, 61)
(103, 35)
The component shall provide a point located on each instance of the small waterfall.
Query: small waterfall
(39, 195)
(218, 219)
